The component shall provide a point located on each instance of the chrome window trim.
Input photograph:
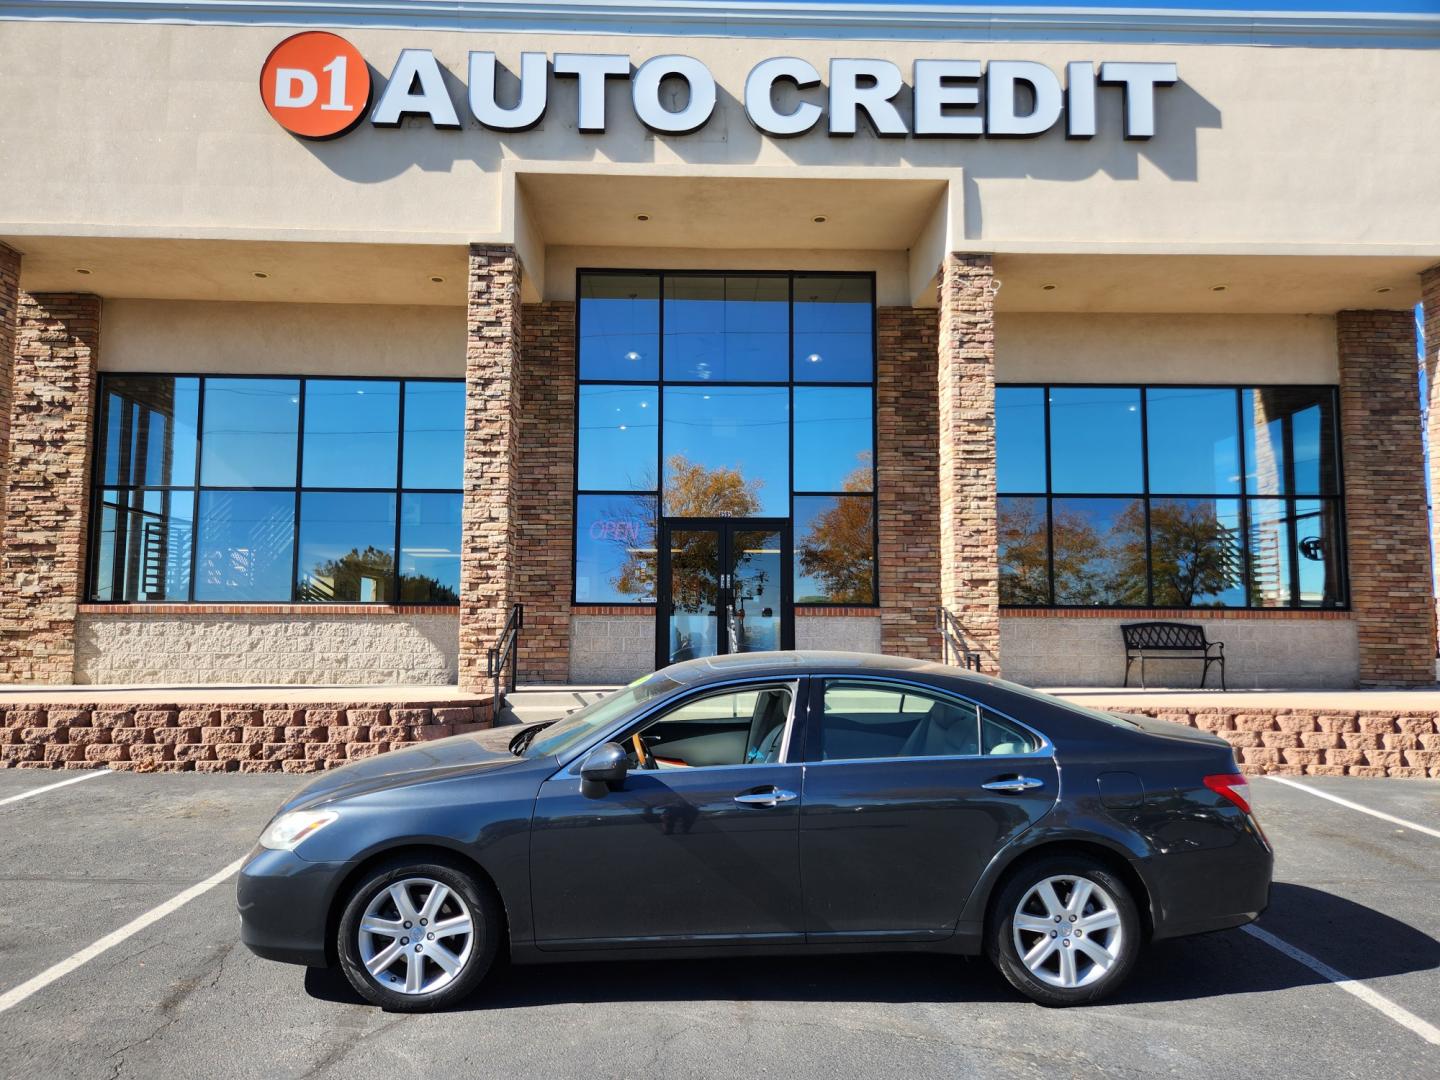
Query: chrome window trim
(683, 697)
(1046, 749)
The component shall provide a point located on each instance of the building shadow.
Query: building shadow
(1364, 944)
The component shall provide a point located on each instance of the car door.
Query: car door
(699, 845)
(908, 794)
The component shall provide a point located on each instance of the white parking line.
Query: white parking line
(52, 787)
(1379, 1002)
(11, 998)
(1356, 806)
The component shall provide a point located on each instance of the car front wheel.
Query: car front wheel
(417, 935)
(1065, 931)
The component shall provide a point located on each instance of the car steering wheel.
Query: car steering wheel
(642, 752)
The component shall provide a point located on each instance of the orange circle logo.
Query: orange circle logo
(316, 85)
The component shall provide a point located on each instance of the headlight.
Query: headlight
(287, 831)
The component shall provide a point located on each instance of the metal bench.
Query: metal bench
(1171, 641)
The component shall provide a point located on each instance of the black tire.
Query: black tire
(1093, 984)
(485, 917)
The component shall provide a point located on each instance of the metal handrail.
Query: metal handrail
(952, 640)
(505, 654)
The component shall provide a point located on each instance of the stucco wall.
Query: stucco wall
(308, 649)
(847, 633)
(1230, 348)
(611, 648)
(197, 336)
(1263, 653)
(124, 125)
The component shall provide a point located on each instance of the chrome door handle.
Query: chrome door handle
(766, 798)
(1014, 783)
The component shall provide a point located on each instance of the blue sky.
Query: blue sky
(1396, 6)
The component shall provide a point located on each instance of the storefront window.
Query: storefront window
(727, 329)
(1095, 439)
(297, 494)
(765, 410)
(619, 437)
(615, 549)
(834, 550)
(1183, 497)
(352, 429)
(619, 323)
(834, 329)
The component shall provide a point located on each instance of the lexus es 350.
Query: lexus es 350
(795, 803)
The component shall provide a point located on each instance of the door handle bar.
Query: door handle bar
(1014, 783)
(766, 798)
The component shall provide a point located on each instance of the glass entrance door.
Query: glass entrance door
(724, 588)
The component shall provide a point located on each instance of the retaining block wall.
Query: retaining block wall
(222, 738)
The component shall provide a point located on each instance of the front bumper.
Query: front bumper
(284, 905)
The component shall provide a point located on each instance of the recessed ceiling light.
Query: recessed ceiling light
(1384, 289)
(1219, 288)
(436, 279)
(82, 270)
(642, 217)
(1047, 287)
(259, 274)
(819, 219)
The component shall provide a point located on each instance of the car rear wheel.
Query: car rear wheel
(1064, 931)
(417, 935)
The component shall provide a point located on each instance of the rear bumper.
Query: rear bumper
(284, 905)
(1195, 892)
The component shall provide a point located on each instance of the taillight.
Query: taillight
(1233, 786)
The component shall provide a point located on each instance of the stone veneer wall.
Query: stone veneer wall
(492, 409)
(298, 738)
(545, 490)
(1269, 650)
(969, 563)
(907, 463)
(176, 647)
(42, 548)
(1388, 537)
(9, 304)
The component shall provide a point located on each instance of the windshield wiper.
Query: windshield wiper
(526, 736)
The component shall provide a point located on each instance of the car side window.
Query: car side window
(742, 726)
(1000, 737)
(862, 720)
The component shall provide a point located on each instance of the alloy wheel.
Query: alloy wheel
(416, 936)
(1068, 931)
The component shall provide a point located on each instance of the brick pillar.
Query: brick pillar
(907, 461)
(488, 526)
(9, 302)
(969, 563)
(1388, 529)
(545, 503)
(1430, 299)
(42, 552)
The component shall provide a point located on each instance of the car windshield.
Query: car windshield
(564, 735)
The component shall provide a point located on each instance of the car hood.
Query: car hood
(484, 751)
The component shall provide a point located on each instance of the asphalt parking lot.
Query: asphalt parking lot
(181, 996)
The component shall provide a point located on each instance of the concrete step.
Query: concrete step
(534, 704)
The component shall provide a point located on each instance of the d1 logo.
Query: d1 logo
(316, 85)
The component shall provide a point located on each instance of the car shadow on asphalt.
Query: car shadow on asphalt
(1357, 940)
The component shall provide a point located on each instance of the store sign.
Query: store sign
(317, 85)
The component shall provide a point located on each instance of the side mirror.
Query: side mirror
(607, 764)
